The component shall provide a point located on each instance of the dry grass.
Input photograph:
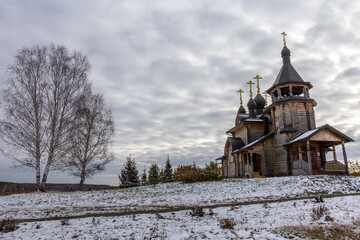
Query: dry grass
(227, 223)
(325, 232)
(318, 212)
(8, 225)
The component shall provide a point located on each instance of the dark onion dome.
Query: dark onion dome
(285, 52)
(260, 100)
(251, 103)
(241, 110)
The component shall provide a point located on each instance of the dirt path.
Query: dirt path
(176, 209)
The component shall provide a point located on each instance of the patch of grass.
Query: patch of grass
(64, 222)
(316, 193)
(318, 212)
(335, 231)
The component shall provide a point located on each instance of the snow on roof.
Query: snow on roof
(254, 142)
(304, 135)
(253, 120)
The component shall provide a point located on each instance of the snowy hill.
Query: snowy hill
(261, 219)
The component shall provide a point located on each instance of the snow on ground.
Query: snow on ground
(258, 221)
(36, 205)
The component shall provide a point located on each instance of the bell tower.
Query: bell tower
(292, 109)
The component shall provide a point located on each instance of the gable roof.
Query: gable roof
(253, 143)
(236, 143)
(304, 136)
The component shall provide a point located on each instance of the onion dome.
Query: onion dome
(241, 110)
(285, 52)
(260, 101)
(251, 103)
(251, 106)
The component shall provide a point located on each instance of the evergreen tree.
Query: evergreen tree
(161, 175)
(129, 176)
(143, 178)
(154, 177)
(168, 171)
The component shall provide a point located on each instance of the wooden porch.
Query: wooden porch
(308, 152)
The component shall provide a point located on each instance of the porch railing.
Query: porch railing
(300, 164)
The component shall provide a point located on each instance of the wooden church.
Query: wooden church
(282, 139)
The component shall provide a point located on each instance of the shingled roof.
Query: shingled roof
(287, 73)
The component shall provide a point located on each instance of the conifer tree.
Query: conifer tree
(143, 178)
(161, 175)
(154, 177)
(168, 171)
(129, 176)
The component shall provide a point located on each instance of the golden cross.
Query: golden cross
(240, 91)
(257, 77)
(284, 34)
(265, 98)
(250, 83)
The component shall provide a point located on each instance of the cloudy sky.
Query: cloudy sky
(170, 69)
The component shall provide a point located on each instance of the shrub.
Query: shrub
(64, 222)
(187, 173)
(212, 172)
(197, 211)
(319, 212)
(227, 223)
(354, 168)
(8, 225)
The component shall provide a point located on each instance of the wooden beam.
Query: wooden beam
(251, 164)
(300, 156)
(309, 157)
(334, 153)
(345, 157)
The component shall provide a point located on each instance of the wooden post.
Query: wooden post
(235, 163)
(248, 163)
(334, 153)
(227, 166)
(263, 161)
(252, 164)
(345, 158)
(272, 98)
(290, 90)
(300, 156)
(279, 93)
(305, 92)
(309, 157)
(240, 164)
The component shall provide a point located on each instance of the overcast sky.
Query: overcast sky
(170, 69)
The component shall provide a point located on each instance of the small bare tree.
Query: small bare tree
(92, 133)
(38, 103)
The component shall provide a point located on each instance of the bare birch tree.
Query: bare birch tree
(39, 98)
(93, 130)
(23, 105)
(67, 82)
